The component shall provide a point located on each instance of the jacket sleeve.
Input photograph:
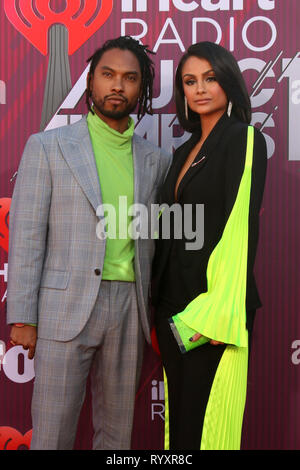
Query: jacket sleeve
(28, 223)
(220, 313)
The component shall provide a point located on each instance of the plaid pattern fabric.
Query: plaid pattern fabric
(55, 255)
(111, 346)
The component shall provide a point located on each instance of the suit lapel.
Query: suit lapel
(76, 146)
(141, 168)
(206, 150)
(167, 193)
(168, 190)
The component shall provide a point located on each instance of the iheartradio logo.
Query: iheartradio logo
(34, 18)
(12, 439)
(4, 222)
(52, 26)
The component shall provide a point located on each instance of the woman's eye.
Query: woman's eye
(211, 79)
(189, 82)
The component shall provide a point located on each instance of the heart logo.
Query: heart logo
(4, 222)
(81, 18)
(12, 439)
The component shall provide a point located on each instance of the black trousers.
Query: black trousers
(190, 377)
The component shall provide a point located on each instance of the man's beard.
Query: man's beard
(114, 113)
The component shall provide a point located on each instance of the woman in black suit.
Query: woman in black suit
(206, 296)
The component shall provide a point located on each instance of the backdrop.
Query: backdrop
(44, 48)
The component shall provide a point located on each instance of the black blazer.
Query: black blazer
(179, 275)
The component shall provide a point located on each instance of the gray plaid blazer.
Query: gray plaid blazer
(55, 256)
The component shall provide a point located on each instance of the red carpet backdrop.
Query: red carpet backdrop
(44, 47)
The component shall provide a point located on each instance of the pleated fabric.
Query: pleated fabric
(167, 420)
(223, 420)
(222, 425)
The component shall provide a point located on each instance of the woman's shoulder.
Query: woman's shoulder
(236, 145)
(237, 133)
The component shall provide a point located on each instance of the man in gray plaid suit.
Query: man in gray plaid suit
(77, 300)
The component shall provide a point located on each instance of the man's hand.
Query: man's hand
(24, 336)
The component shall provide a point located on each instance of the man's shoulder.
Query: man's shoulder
(137, 139)
(149, 146)
(69, 131)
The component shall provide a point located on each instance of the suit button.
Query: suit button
(97, 271)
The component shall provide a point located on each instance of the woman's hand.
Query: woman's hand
(198, 336)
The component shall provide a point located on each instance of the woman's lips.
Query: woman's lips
(205, 101)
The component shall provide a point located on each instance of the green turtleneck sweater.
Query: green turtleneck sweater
(114, 161)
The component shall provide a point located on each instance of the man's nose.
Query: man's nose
(118, 84)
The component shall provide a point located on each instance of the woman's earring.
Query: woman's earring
(229, 109)
(186, 109)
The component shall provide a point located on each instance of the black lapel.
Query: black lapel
(205, 152)
(168, 190)
(167, 196)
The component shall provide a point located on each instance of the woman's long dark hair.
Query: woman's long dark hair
(228, 75)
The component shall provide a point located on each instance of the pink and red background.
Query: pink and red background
(264, 37)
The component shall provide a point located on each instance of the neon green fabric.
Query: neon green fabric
(114, 161)
(177, 325)
(222, 427)
(167, 420)
(220, 313)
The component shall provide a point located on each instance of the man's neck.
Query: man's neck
(119, 125)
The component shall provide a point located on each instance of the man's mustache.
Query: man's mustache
(116, 96)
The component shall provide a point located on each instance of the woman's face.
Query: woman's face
(203, 93)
